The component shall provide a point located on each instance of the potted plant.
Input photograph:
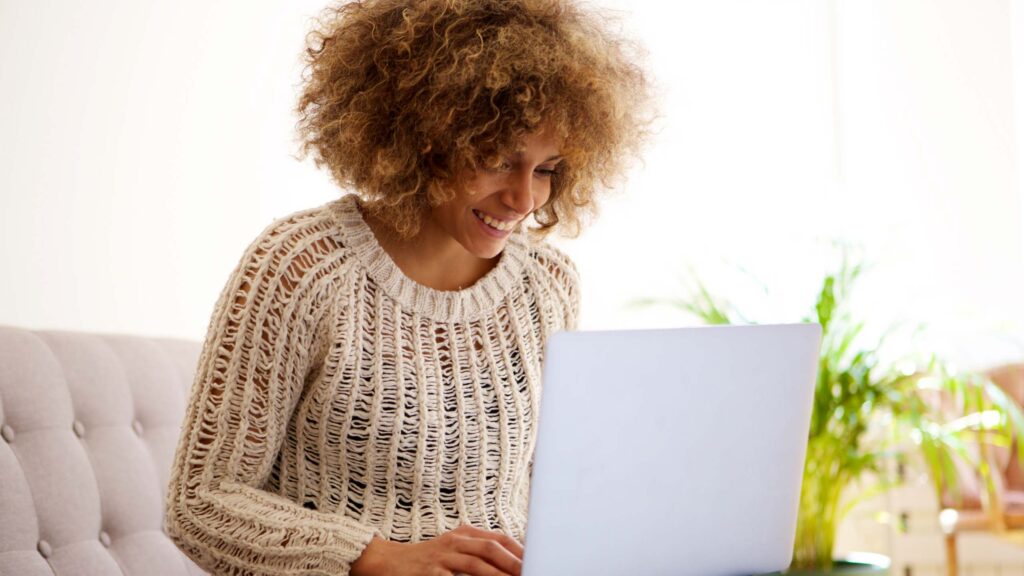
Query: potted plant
(855, 391)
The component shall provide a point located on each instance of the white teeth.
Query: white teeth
(503, 226)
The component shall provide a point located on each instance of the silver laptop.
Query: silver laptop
(671, 452)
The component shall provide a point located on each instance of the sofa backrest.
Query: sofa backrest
(88, 428)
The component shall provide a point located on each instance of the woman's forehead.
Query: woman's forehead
(545, 142)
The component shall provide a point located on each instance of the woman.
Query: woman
(366, 398)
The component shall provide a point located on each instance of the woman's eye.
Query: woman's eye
(540, 172)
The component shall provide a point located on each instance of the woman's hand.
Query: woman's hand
(465, 550)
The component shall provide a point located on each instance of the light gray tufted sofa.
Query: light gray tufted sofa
(88, 428)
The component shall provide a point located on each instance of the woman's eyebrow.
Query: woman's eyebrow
(519, 154)
(555, 157)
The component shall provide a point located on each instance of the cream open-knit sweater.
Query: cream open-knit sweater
(336, 399)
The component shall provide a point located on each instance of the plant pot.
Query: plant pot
(842, 567)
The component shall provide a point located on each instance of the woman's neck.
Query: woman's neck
(431, 257)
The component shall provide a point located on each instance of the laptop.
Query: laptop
(671, 452)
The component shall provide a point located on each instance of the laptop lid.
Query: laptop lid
(675, 452)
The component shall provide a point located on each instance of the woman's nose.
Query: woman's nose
(519, 192)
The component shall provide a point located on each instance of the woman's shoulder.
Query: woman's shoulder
(559, 279)
(553, 262)
(303, 229)
(317, 220)
(293, 244)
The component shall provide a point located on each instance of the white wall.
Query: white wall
(145, 143)
(742, 169)
(887, 123)
(928, 144)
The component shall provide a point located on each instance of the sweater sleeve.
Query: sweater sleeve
(261, 342)
(564, 285)
(572, 289)
(564, 282)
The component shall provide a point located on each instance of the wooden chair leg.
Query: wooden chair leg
(952, 566)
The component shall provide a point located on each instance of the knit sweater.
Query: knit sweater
(336, 399)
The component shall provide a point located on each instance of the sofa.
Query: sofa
(88, 428)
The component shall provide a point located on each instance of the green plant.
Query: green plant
(929, 409)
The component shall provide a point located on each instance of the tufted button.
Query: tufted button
(105, 539)
(137, 426)
(79, 429)
(44, 548)
(7, 432)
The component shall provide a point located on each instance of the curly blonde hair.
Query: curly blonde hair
(401, 98)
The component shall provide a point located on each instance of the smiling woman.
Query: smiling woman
(460, 240)
(452, 86)
(367, 397)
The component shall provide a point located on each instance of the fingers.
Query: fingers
(512, 545)
(491, 551)
(508, 542)
(475, 566)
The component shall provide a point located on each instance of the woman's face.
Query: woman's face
(482, 222)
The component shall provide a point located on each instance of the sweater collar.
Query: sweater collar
(476, 300)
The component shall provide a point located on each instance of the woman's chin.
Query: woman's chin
(490, 253)
(485, 248)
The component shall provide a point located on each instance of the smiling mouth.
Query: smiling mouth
(496, 224)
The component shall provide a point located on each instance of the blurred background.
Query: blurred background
(145, 143)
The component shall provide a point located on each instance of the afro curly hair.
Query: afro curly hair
(401, 98)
